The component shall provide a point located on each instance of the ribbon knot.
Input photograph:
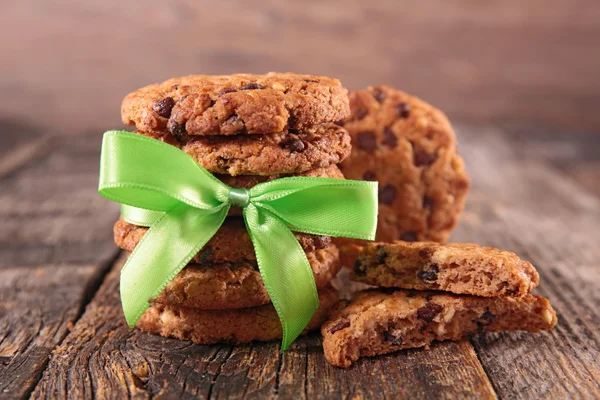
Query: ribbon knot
(239, 197)
(184, 205)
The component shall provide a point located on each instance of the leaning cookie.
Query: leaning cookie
(228, 326)
(409, 147)
(236, 285)
(231, 243)
(461, 268)
(236, 104)
(377, 322)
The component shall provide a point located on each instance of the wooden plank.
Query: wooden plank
(37, 308)
(50, 210)
(520, 204)
(102, 357)
(55, 246)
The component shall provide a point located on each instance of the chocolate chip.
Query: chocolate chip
(292, 121)
(487, 317)
(361, 113)
(321, 242)
(369, 176)
(294, 145)
(429, 274)
(427, 203)
(426, 253)
(178, 130)
(366, 141)
(408, 236)
(428, 312)
(343, 324)
(381, 255)
(390, 138)
(163, 107)
(207, 255)
(359, 268)
(225, 91)
(379, 94)
(251, 86)
(387, 194)
(393, 339)
(339, 123)
(403, 110)
(421, 158)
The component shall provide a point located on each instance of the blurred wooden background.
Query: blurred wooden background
(66, 64)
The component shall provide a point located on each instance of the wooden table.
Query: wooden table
(62, 334)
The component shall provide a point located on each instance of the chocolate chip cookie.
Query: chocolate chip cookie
(230, 326)
(269, 154)
(410, 148)
(231, 243)
(457, 268)
(236, 104)
(236, 285)
(377, 322)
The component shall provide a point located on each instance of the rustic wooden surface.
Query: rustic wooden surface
(535, 60)
(62, 334)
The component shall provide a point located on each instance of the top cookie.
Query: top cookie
(236, 104)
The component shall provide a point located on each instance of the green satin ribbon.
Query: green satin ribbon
(161, 187)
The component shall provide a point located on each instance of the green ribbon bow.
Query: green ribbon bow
(184, 205)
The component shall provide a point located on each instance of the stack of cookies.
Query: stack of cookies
(245, 129)
(432, 292)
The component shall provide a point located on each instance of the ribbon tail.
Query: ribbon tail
(164, 250)
(285, 271)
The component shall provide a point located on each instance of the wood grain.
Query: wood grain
(52, 257)
(69, 63)
(520, 204)
(49, 207)
(103, 358)
(37, 307)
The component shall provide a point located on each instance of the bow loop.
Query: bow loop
(321, 206)
(149, 174)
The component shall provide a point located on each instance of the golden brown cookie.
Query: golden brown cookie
(236, 285)
(248, 181)
(458, 268)
(236, 104)
(377, 322)
(410, 148)
(269, 154)
(231, 243)
(228, 326)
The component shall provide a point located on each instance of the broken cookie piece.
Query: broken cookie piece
(379, 322)
(457, 268)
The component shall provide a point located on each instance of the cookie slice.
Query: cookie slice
(228, 326)
(231, 243)
(377, 322)
(236, 285)
(458, 268)
(236, 104)
(410, 148)
(289, 152)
